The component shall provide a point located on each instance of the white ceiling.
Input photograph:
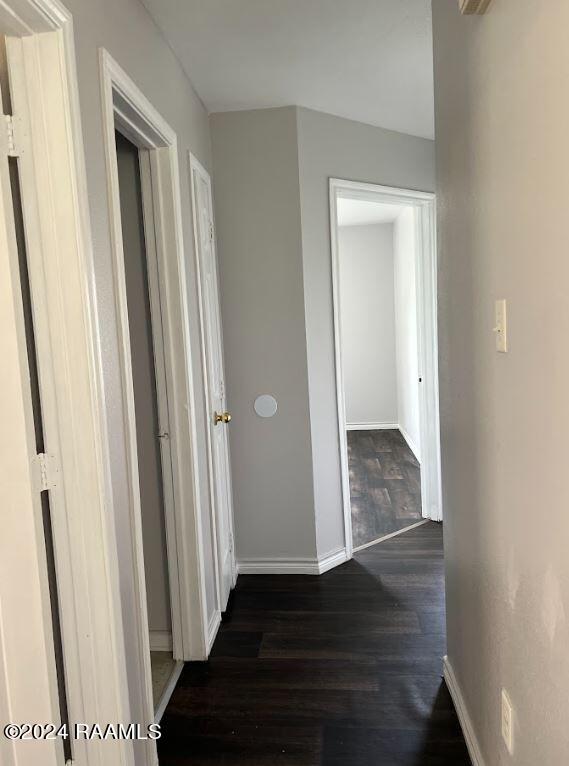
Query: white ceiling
(356, 212)
(368, 60)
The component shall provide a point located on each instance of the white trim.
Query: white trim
(370, 426)
(426, 268)
(428, 344)
(386, 427)
(410, 443)
(463, 716)
(293, 566)
(26, 625)
(340, 397)
(168, 691)
(390, 535)
(212, 629)
(331, 560)
(125, 107)
(220, 552)
(160, 641)
(109, 80)
(62, 280)
(157, 289)
(278, 566)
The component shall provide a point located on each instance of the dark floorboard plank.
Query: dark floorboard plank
(338, 670)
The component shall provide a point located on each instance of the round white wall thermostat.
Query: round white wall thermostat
(265, 406)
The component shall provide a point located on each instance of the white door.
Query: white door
(219, 418)
(28, 671)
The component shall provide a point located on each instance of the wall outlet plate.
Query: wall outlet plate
(507, 722)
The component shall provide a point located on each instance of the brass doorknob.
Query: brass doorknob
(221, 417)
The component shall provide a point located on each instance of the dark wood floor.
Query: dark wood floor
(338, 670)
(385, 484)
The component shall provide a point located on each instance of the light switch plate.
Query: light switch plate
(473, 6)
(507, 722)
(501, 326)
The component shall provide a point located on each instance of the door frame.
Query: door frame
(427, 338)
(76, 468)
(127, 109)
(195, 166)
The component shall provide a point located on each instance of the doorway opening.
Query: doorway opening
(163, 528)
(151, 407)
(384, 275)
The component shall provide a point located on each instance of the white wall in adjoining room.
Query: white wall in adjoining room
(367, 311)
(406, 341)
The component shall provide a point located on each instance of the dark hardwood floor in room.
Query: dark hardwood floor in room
(385, 484)
(338, 670)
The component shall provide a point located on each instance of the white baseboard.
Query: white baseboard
(161, 641)
(293, 566)
(462, 713)
(278, 566)
(386, 427)
(372, 426)
(212, 628)
(383, 538)
(410, 443)
(331, 560)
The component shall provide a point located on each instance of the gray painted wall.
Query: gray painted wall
(330, 146)
(125, 28)
(367, 308)
(272, 168)
(257, 204)
(501, 113)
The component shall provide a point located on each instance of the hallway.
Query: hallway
(338, 670)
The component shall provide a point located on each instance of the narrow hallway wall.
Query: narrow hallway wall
(257, 204)
(501, 117)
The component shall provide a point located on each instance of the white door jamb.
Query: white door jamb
(60, 264)
(126, 108)
(426, 283)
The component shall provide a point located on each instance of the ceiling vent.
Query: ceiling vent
(473, 6)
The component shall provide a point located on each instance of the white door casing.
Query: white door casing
(426, 288)
(156, 289)
(127, 109)
(74, 471)
(28, 681)
(216, 402)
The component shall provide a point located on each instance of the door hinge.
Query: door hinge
(46, 471)
(210, 231)
(12, 136)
